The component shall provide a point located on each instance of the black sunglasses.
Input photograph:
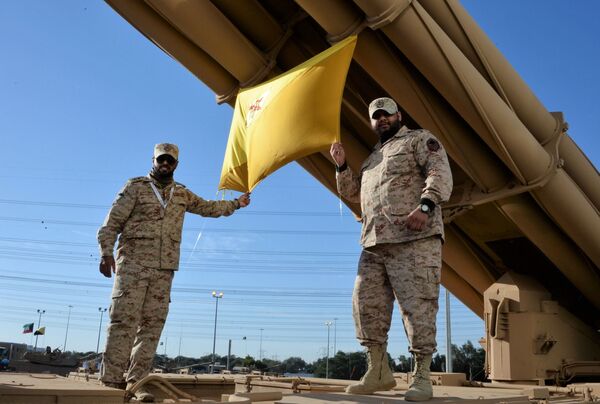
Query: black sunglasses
(165, 157)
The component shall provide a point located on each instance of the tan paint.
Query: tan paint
(517, 173)
(529, 336)
(489, 61)
(439, 59)
(175, 44)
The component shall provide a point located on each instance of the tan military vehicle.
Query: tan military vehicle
(517, 252)
(523, 225)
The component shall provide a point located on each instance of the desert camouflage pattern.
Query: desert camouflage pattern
(409, 272)
(411, 165)
(166, 148)
(383, 103)
(139, 307)
(150, 235)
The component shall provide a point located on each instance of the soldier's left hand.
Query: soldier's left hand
(244, 200)
(416, 220)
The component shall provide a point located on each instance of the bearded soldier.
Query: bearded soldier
(148, 215)
(400, 188)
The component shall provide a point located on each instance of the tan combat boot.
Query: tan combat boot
(420, 389)
(141, 394)
(379, 376)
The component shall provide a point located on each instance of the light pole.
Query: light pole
(260, 346)
(40, 312)
(328, 324)
(246, 344)
(102, 311)
(67, 331)
(217, 296)
(448, 335)
(334, 336)
(179, 350)
(228, 354)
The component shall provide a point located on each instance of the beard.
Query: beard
(385, 134)
(163, 177)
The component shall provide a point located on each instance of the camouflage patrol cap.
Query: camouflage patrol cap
(384, 103)
(166, 148)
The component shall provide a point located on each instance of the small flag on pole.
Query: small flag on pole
(40, 331)
(27, 328)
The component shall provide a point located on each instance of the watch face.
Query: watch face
(425, 208)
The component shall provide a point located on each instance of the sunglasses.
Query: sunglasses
(165, 157)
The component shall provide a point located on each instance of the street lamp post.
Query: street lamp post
(102, 311)
(67, 331)
(40, 312)
(228, 354)
(217, 296)
(260, 346)
(334, 336)
(179, 350)
(328, 324)
(448, 335)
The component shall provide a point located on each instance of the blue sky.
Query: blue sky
(84, 99)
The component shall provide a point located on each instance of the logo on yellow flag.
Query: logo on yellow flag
(286, 118)
(256, 107)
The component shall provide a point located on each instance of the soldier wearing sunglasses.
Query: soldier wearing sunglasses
(148, 215)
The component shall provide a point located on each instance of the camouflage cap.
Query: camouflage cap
(166, 148)
(384, 103)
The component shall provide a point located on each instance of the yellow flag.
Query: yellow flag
(291, 116)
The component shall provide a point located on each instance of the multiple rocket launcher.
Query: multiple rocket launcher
(523, 225)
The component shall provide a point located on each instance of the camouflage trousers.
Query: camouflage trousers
(408, 272)
(139, 308)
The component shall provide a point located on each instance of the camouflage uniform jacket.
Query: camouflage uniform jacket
(150, 235)
(393, 179)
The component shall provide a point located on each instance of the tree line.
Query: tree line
(466, 359)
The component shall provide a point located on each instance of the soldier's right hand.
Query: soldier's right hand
(107, 266)
(338, 154)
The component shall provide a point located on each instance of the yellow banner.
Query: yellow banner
(288, 117)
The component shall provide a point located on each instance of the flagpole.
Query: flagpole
(102, 311)
(67, 331)
(40, 312)
(217, 296)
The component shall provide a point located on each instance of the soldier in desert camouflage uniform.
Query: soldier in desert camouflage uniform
(400, 188)
(148, 214)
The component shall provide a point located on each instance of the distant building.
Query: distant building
(14, 350)
(216, 368)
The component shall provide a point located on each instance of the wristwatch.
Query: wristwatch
(425, 208)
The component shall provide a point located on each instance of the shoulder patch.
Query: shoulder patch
(433, 145)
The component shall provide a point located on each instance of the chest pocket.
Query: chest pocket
(175, 214)
(399, 160)
(147, 207)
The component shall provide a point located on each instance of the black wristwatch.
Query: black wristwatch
(427, 206)
(341, 168)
